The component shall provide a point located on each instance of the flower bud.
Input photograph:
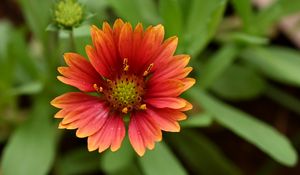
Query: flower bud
(68, 13)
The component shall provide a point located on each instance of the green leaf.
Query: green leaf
(131, 169)
(6, 64)
(203, 20)
(279, 63)
(239, 83)
(200, 155)
(136, 10)
(283, 98)
(218, 64)
(244, 10)
(172, 17)
(243, 38)
(267, 17)
(5, 29)
(28, 88)
(31, 148)
(37, 15)
(26, 66)
(78, 161)
(161, 161)
(202, 119)
(251, 129)
(113, 162)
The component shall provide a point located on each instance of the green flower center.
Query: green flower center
(68, 13)
(124, 93)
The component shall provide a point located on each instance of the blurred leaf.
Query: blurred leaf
(131, 169)
(279, 63)
(136, 10)
(31, 148)
(251, 129)
(82, 31)
(5, 63)
(172, 16)
(26, 67)
(243, 38)
(218, 64)
(244, 10)
(239, 83)
(29, 88)
(52, 27)
(267, 17)
(202, 119)
(283, 98)
(37, 14)
(161, 161)
(5, 29)
(200, 155)
(94, 5)
(185, 6)
(81, 37)
(112, 162)
(99, 10)
(203, 20)
(78, 161)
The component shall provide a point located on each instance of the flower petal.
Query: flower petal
(101, 66)
(166, 50)
(110, 135)
(117, 29)
(166, 118)
(143, 132)
(173, 68)
(81, 111)
(73, 100)
(164, 88)
(167, 102)
(188, 83)
(105, 53)
(126, 41)
(80, 73)
(148, 49)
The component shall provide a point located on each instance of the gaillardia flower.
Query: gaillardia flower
(134, 74)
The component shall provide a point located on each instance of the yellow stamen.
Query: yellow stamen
(125, 64)
(148, 70)
(125, 110)
(109, 81)
(143, 107)
(98, 89)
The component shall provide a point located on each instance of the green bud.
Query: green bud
(68, 13)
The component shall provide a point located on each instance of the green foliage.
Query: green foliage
(273, 13)
(238, 65)
(258, 133)
(218, 64)
(202, 23)
(114, 162)
(172, 16)
(201, 155)
(77, 161)
(244, 9)
(136, 11)
(32, 144)
(37, 15)
(161, 161)
(279, 63)
(198, 120)
(238, 83)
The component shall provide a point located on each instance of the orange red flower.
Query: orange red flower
(131, 73)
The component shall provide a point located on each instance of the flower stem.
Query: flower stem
(72, 41)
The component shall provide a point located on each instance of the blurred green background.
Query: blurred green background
(246, 116)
